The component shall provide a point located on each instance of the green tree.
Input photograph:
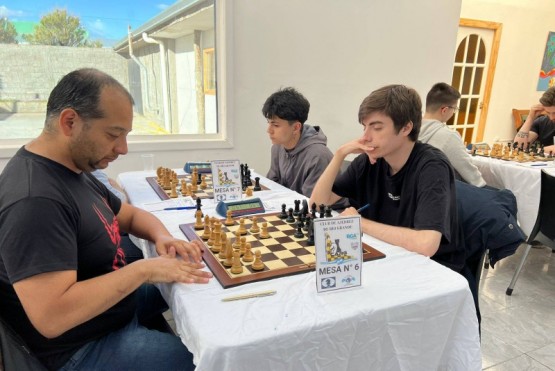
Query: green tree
(62, 29)
(8, 33)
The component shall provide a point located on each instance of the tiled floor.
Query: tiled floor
(518, 331)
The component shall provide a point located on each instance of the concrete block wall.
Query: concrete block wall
(29, 72)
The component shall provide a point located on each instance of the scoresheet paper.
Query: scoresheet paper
(226, 178)
(338, 253)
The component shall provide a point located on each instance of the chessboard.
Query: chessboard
(510, 153)
(282, 254)
(202, 192)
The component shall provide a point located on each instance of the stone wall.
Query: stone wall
(29, 72)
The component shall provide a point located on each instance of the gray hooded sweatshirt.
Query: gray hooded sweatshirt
(299, 168)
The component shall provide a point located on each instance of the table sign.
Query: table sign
(226, 178)
(338, 253)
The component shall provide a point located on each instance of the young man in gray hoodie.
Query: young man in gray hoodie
(441, 104)
(299, 151)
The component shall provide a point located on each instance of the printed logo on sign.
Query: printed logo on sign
(221, 197)
(327, 283)
(348, 280)
(351, 236)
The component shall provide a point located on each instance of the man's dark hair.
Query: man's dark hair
(548, 98)
(287, 104)
(441, 95)
(399, 102)
(80, 90)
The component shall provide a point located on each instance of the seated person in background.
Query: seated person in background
(299, 152)
(410, 186)
(131, 251)
(441, 104)
(540, 127)
(65, 286)
(111, 184)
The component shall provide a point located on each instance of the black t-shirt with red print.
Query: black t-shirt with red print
(53, 219)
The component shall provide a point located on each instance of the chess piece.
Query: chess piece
(264, 234)
(223, 252)
(237, 243)
(313, 210)
(198, 223)
(310, 233)
(183, 187)
(254, 228)
(283, 213)
(297, 209)
(290, 218)
(228, 262)
(242, 229)
(322, 210)
(229, 220)
(328, 212)
(173, 193)
(258, 265)
(257, 184)
(203, 184)
(236, 266)
(243, 245)
(217, 246)
(299, 232)
(248, 257)
(248, 192)
(206, 235)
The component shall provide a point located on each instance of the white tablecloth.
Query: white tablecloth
(410, 313)
(522, 179)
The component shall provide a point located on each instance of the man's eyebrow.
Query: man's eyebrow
(372, 123)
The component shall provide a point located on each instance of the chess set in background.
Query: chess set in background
(260, 247)
(511, 152)
(167, 184)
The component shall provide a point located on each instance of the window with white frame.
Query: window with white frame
(164, 56)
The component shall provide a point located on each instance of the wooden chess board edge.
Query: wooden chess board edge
(156, 187)
(369, 253)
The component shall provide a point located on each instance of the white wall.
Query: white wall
(334, 52)
(526, 25)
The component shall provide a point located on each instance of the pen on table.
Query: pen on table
(538, 165)
(363, 208)
(181, 208)
(252, 295)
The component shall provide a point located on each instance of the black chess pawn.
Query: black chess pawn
(257, 184)
(300, 219)
(248, 179)
(310, 233)
(307, 222)
(322, 210)
(297, 210)
(328, 212)
(283, 213)
(290, 218)
(299, 232)
(313, 210)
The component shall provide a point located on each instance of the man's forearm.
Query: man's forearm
(425, 242)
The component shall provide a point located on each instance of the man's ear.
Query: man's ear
(67, 121)
(407, 128)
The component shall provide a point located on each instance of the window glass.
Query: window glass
(164, 54)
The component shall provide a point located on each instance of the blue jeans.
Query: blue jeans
(135, 347)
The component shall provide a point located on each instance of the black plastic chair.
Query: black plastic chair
(14, 353)
(544, 229)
